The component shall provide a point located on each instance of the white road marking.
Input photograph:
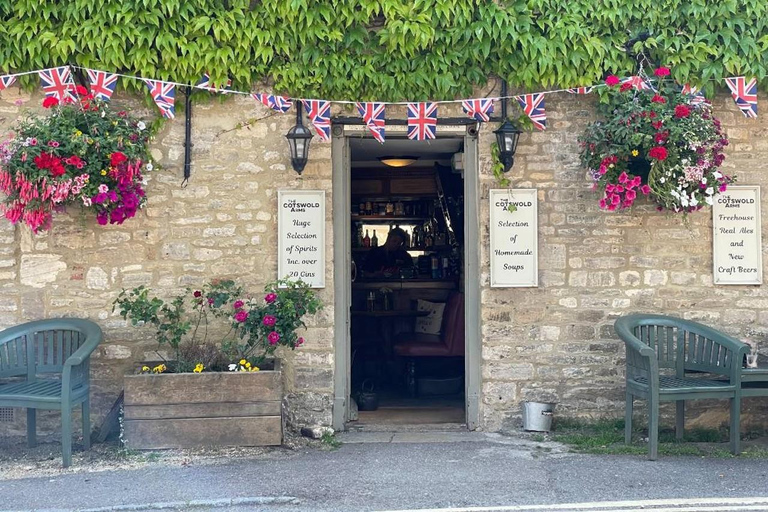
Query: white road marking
(667, 505)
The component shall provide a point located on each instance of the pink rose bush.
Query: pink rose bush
(81, 154)
(247, 330)
(662, 142)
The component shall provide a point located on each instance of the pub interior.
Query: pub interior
(407, 318)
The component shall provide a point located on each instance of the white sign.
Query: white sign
(736, 236)
(514, 238)
(301, 236)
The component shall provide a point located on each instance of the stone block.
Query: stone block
(38, 270)
(96, 279)
(507, 371)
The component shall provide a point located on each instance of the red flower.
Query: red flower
(661, 71)
(74, 160)
(81, 91)
(658, 99)
(50, 101)
(661, 137)
(658, 152)
(198, 293)
(625, 87)
(57, 169)
(682, 111)
(611, 80)
(117, 158)
(657, 124)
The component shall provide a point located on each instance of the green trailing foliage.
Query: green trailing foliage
(385, 49)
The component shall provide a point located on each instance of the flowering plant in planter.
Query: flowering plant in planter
(82, 153)
(660, 141)
(219, 327)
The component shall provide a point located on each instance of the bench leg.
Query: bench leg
(628, 419)
(87, 423)
(31, 427)
(679, 419)
(736, 425)
(653, 428)
(66, 435)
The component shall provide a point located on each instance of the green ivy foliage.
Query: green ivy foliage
(385, 49)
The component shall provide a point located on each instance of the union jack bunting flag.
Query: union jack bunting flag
(533, 106)
(580, 90)
(373, 116)
(479, 109)
(278, 103)
(696, 96)
(6, 81)
(744, 94)
(319, 113)
(422, 121)
(102, 84)
(205, 83)
(637, 82)
(164, 95)
(57, 83)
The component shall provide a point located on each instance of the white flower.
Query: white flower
(232, 367)
(662, 179)
(709, 191)
(684, 161)
(103, 188)
(694, 201)
(149, 166)
(709, 200)
(86, 201)
(140, 125)
(704, 181)
(103, 113)
(717, 175)
(684, 201)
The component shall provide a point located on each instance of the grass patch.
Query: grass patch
(329, 441)
(606, 437)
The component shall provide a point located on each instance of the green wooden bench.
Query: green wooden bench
(671, 359)
(29, 356)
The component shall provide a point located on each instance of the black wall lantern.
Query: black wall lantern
(508, 134)
(299, 138)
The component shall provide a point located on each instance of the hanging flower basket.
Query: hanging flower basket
(655, 139)
(82, 153)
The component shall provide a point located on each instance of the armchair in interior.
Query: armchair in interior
(449, 343)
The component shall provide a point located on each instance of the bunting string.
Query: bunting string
(422, 116)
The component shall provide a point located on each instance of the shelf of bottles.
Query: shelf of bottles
(426, 239)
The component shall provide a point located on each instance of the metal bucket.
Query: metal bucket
(537, 416)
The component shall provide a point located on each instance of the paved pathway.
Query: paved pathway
(408, 471)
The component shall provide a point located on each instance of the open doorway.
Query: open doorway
(407, 317)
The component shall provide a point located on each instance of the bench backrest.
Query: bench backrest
(682, 345)
(42, 346)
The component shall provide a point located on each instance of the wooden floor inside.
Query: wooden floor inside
(414, 411)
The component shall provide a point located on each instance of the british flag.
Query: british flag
(164, 94)
(478, 109)
(205, 83)
(57, 83)
(744, 94)
(580, 90)
(533, 106)
(373, 116)
(319, 113)
(102, 84)
(6, 81)
(637, 82)
(277, 103)
(696, 97)
(422, 121)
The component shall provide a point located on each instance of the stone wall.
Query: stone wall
(222, 224)
(556, 342)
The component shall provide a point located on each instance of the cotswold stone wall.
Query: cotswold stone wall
(556, 342)
(222, 225)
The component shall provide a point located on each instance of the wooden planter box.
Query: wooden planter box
(188, 410)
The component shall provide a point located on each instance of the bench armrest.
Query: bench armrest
(93, 338)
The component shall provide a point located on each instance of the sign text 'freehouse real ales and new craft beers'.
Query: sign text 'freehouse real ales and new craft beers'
(514, 238)
(301, 236)
(736, 237)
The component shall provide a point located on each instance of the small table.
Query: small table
(385, 327)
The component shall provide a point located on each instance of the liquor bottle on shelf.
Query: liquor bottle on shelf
(440, 238)
(368, 208)
(374, 240)
(389, 208)
(435, 267)
(359, 236)
(382, 208)
(407, 241)
(399, 209)
(361, 208)
(367, 239)
(429, 239)
(446, 268)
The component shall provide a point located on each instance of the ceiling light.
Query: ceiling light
(397, 161)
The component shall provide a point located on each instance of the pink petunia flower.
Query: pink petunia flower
(238, 304)
(241, 316)
(270, 298)
(269, 320)
(273, 337)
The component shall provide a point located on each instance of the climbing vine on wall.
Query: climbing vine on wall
(385, 49)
